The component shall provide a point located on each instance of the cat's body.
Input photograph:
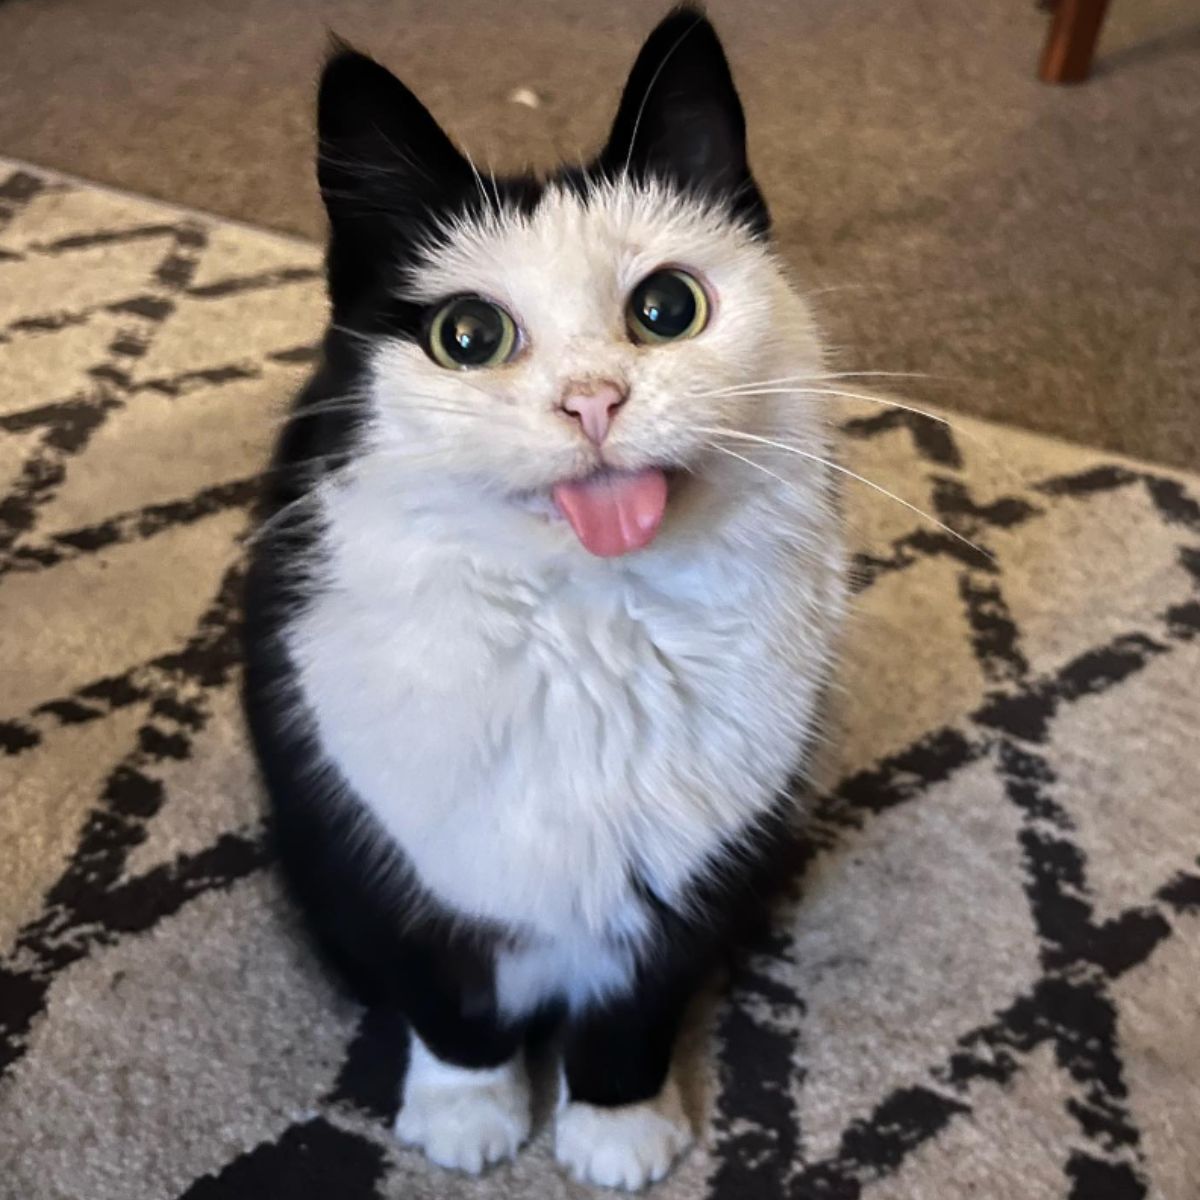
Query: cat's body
(511, 776)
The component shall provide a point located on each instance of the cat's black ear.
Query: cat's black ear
(385, 168)
(680, 117)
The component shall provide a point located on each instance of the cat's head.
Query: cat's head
(586, 352)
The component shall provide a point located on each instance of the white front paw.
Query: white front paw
(626, 1147)
(464, 1119)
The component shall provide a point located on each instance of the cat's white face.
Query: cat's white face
(565, 274)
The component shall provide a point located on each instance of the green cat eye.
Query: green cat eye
(469, 332)
(667, 306)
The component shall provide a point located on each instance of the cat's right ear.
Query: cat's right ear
(385, 168)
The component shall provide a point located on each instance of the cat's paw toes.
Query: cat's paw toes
(627, 1147)
(467, 1124)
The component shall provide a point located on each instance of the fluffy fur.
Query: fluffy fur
(510, 778)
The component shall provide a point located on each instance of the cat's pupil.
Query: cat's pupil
(664, 304)
(472, 332)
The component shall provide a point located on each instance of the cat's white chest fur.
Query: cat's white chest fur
(541, 741)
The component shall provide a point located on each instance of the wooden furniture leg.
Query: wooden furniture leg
(1074, 29)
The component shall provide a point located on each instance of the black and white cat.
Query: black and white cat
(545, 597)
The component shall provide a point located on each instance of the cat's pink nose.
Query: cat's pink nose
(593, 404)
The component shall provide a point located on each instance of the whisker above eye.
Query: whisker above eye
(786, 447)
(637, 120)
(487, 200)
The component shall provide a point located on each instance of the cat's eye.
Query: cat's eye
(469, 332)
(667, 306)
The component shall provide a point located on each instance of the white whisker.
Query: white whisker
(409, 159)
(863, 396)
(478, 180)
(278, 517)
(319, 482)
(866, 397)
(348, 405)
(820, 377)
(637, 121)
(883, 402)
(751, 463)
(353, 333)
(809, 293)
(833, 466)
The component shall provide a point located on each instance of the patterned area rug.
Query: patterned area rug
(985, 985)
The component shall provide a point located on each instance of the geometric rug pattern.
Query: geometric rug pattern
(986, 979)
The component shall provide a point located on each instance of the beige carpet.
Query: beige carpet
(1040, 247)
(985, 986)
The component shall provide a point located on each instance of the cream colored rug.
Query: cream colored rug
(986, 985)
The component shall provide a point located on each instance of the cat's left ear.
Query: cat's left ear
(386, 169)
(680, 118)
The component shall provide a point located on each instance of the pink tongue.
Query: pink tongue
(616, 511)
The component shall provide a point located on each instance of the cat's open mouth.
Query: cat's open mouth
(614, 512)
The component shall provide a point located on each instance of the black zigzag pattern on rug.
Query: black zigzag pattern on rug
(759, 1142)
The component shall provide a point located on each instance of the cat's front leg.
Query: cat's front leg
(466, 1098)
(621, 1123)
(463, 1117)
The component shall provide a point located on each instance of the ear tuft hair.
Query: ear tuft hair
(680, 117)
(385, 169)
